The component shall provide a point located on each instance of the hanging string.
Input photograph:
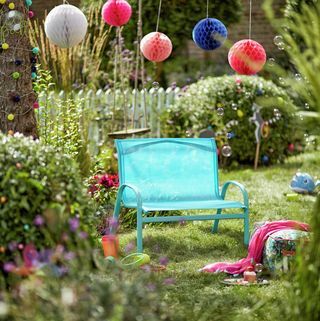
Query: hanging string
(250, 18)
(138, 55)
(159, 13)
(207, 9)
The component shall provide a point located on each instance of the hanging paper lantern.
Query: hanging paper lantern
(209, 34)
(156, 46)
(66, 26)
(116, 12)
(247, 57)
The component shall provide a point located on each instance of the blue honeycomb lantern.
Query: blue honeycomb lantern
(209, 34)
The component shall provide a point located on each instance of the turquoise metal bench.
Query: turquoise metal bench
(174, 174)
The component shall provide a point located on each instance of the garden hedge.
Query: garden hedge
(199, 105)
(42, 196)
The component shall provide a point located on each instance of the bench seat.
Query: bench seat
(187, 205)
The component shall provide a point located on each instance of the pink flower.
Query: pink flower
(169, 281)
(38, 221)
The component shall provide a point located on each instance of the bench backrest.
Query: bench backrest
(169, 169)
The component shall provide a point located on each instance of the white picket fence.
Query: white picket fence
(144, 108)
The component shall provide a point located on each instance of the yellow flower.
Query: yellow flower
(11, 6)
(5, 46)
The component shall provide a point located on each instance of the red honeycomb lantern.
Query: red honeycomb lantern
(156, 46)
(116, 12)
(247, 57)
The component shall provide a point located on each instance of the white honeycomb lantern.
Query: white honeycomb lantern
(66, 26)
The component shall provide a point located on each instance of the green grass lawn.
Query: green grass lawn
(199, 296)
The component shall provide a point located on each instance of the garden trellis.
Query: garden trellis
(97, 108)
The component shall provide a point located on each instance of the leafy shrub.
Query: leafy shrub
(198, 107)
(38, 187)
(73, 282)
(63, 122)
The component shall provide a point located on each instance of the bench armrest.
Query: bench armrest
(242, 189)
(134, 189)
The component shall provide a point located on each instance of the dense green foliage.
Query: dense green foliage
(295, 6)
(38, 187)
(197, 109)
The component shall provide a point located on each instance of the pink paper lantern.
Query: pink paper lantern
(156, 46)
(116, 12)
(247, 57)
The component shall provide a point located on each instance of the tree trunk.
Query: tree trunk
(16, 96)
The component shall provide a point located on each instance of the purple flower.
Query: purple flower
(9, 267)
(146, 268)
(83, 235)
(12, 246)
(129, 247)
(74, 224)
(151, 287)
(169, 281)
(45, 256)
(38, 221)
(164, 260)
(113, 223)
(69, 256)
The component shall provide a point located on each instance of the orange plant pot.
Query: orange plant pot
(110, 244)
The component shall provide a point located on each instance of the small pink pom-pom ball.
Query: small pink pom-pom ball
(36, 105)
(31, 14)
(116, 12)
(247, 57)
(156, 46)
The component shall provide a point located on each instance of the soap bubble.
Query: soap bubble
(258, 268)
(155, 85)
(220, 111)
(14, 20)
(276, 113)
(298, 77)
(271, 62)
(226, 151)
(278, 41)
(234, 106)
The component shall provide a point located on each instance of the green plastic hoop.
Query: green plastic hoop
(135, 260)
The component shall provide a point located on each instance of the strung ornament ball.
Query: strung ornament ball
(247, 57)
(209, 34)
(116, 12)
(156, 46)
(35, 50)
(66, 26)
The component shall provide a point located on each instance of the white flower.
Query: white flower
(67, 296)
(4, 309)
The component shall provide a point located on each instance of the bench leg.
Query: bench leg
(216, 223)
(246, 228)
(116, 213)
(139, 231)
